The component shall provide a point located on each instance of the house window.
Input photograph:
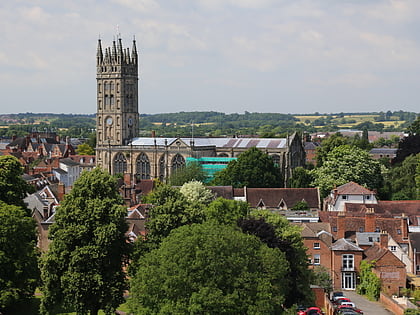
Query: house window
(377, 229)
(367, 197)
(348, 261)
(370, 239)
(398, 231)
(334, 229)
(317, 259)
(393, 248)
(417, 267)
(317, 246)
(361, 229)
(344, 197)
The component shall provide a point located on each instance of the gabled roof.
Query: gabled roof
(352, 188)
(272, 197)
(376, 252)
(344, 245)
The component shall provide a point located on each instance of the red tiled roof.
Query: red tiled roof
(352, 188)
(271, 197)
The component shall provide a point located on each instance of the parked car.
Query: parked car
(347, 303)
(349, 308)
(336, 294)
(314, 311)
(340, 299)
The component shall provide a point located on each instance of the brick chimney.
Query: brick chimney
(404, 226)
(127, 179)
(370, 220)
(61, 191)
(383, 239)
(341, 224)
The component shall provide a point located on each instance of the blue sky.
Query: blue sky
(286, 56)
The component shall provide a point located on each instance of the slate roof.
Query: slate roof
(216, 142)
(362, 238)
(344, 245)
(310, 145)
(415, 240)
(69, 162)
(383, 151)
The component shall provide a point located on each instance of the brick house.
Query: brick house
(317, 238)
(387, 267)
(345, 261)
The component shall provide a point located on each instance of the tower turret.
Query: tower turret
(99, 54)
(117, 95)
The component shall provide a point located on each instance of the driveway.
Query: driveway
(368, 307)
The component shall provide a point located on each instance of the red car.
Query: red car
(313, 311)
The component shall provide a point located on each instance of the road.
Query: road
(368, 307)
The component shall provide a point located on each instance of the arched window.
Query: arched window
(143, 166)
(162, 168)
(120, 164)
(276, 159)
(178, 162)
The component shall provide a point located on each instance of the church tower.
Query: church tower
(117, 115)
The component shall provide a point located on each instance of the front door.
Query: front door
(348, 281)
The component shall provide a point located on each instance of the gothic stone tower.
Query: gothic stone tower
(117, 118)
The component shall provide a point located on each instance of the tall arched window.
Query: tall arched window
(162, 168)
(178, 162)
(120, 164)
(143, 166)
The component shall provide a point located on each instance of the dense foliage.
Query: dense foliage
(253, 168)
(210, 269)
(83, 268)
(13, 188)
(191, 171)
(288, 239)
(344, 164)
(370, 284)
(18, 256)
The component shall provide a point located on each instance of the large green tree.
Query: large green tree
(400, 181)
(344, 164)
(253, 168)
(83, 268)
(209, 269)
(18, 256)
(191, 171)
(277, 232)
(13, 188)
(328, 145)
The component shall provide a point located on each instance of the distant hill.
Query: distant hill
(211, 123)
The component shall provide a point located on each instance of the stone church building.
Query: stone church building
(119, 150)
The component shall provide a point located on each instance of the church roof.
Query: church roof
(272, 143)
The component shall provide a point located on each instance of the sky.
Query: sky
(231, 56)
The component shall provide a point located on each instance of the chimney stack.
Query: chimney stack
(383, 239)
